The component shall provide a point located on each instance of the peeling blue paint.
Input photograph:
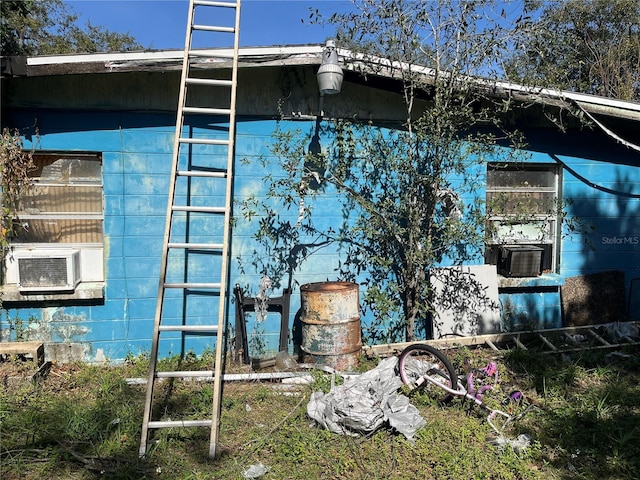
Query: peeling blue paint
(136, 177)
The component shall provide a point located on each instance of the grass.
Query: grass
(83, 422)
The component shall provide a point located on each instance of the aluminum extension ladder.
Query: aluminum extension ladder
(192, 229)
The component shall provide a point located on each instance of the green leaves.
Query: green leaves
(409, 193)
(47, 27)
(585, 46)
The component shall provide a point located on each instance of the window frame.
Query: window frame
(90, 254)
(550, 241)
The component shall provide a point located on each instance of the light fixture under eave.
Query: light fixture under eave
(330, 74)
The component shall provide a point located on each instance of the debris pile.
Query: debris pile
(365, 403)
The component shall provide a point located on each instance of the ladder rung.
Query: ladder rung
(212, 82)
(186, 374)
(188, 328)
(214, 286)
(598, 337)
(223, 142)
(213, 28)
(517, 341)
(179, 423)
(197, 246)
(197, 173)
(204, 141)
(546, 341)
(207, 111)
(210, 3)
(190, 208)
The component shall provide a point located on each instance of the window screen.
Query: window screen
(64, 204)
(522, 208)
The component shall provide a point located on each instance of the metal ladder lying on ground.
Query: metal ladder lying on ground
(555, 340)
(190, 226)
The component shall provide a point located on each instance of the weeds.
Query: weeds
(83, 422)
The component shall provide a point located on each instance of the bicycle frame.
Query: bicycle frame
(474, 396)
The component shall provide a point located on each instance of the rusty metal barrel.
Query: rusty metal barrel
(330, 317)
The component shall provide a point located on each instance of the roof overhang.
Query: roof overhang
(163, 60)
(373, 67)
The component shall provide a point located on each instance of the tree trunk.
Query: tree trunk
(410, 311)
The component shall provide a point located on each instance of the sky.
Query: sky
(161, 24)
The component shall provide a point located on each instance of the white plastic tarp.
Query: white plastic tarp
(365, 403)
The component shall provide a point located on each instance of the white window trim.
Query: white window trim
(91, 255)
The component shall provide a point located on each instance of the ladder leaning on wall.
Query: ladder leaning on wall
(193, 230)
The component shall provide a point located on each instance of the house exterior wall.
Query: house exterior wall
(136, 151)
(600, 188)
(602, 180)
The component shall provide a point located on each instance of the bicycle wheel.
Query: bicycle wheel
(418, 361)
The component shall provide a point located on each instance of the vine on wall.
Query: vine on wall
(15, 165)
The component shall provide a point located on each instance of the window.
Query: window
(58, 242)
(522, 210)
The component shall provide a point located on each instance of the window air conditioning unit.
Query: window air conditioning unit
(48, 270)
(520, 261)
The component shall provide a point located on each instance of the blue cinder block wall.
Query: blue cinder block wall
(136, 149)
(600, 188)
